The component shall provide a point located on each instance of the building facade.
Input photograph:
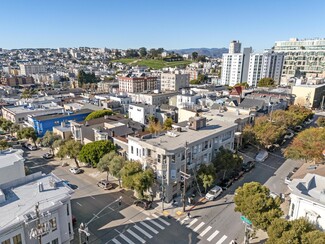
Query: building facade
(141, 112)
(12, 165)
(137, 84)
(302, 57)
(234, 47)
(28, 69)
(174, 82)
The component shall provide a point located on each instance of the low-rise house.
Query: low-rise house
(11, 165)
(141, 112)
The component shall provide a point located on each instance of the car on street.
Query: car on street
(143, 203)
(298, 128)
(30, 147)
(288, 179)
(308, 122)
(72, 186)
(105, 184)
(48, 155)
(226, 183)
(261, 156)
(213, 193)
(239, 175)
(289, 135)
(75, 170)
(248, 166)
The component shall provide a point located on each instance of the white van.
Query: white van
(261, 156)
(213, 193)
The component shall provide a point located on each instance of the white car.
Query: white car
(75, 170)
(213, 193)
(261, 156)
(308, 122)
(289, 135)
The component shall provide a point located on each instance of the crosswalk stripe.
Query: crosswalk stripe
(149, 227)
(206, 231)
(222, 239)
(116, 241)
(192, 222)
(213, 235)
(162, 220)
(127, 239)
(143, 232)
(136, 236)
(182, 222)
(199, 226)
(155, 223)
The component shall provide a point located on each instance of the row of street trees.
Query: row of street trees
(254, 201)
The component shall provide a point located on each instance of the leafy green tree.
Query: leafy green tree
(3, 144)
(104, 162)
(244, 84)
(266, 82)
(195, 55)
(194, 82)
(249, 135)
(84, 78)
(282, 231)
(307, 145)
(5, 125)
(321, 121)
(116, 166)
(227, 161)
(154, 127)
(143, 181)
(70, 148)
(201, 78)
(313, 237)
(98, 114)
(14, 128)
(143, 52)
(27, 133)
(92, 152)
(253, 200)
(130, 169)
(206, 175)
(168, 124)
(48, 140)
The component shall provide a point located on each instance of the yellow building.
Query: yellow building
(311, 96)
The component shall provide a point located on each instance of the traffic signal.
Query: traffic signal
(120, 202)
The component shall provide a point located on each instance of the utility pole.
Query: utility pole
(38, 223)
(185, 177)
(163, 191)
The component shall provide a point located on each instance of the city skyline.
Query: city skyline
(166, 24)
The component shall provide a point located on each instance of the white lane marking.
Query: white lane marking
(155, 223)
(149, 227)
(266, 165)
(93, 197)
(136, 236)
(199, 226)
(222, 239)
(143, 232)
(192, 222)
(182, 222)
(79, 204)
(161, 219)
(213, 235)
(205, 231)
(116, 241)
(127, 239)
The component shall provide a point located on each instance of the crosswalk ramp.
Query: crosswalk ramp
(207, 233)
(142, 232)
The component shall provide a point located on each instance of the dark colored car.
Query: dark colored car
(226, 183)
(248, 166)
(145, 204)
(239, 175)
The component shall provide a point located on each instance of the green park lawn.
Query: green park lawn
(152, 63)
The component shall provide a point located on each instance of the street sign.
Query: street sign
(246, 220)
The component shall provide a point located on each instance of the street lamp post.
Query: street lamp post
(184, 177)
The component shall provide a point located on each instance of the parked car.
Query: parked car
(143, 203)
(298, 128)
(308, 122)
(239, 175)
(288, 179)
(75, 170)
(226, 183)
(289, 135)
(30, 147)
(48, 155)
(213, 193)
(105, 184)
(248, 166)
(261, 156)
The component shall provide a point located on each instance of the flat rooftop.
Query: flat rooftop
(170, 143)
(62, 115)
(25, 109)
(21, 199)
(10, 156)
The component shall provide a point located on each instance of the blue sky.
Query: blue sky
(169, 24)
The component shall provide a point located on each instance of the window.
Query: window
(53, 224)
(6, 242)
(69, 227)
(131, 149)
(17, 239)
(292, 209)
(55, 241)
(68, 210)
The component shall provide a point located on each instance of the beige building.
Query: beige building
(311, 96)
(174, 81)
(28, 69)
(137, 84)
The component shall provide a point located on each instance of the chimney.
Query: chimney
(40, 186)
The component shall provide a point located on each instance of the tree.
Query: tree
(168, 124)
(92, 152)
(321, 121)
(248, 135)
(130, 169)
(104, 162)
(206, 175)
(282, 231)
(70, 148)
(142, 52)
(307, 145)
(253, 200)
(14, 128)
(201, 78)
(227, 161)
(154, 127)
(194, 82)
(143, 181)
(84, 78)
(27, 133)
(48, 140)
(194, 55)
(116, 166)
(266, 82)
(313, 237)
(5, 125)
(3, 144)
(98, 114)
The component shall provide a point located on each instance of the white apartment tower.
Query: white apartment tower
(174, 81)
(28, 69)
(263, 65)
(235, 64)
(234, 47)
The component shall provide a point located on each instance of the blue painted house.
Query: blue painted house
(43, 123)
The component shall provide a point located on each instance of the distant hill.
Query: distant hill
(210, 52)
